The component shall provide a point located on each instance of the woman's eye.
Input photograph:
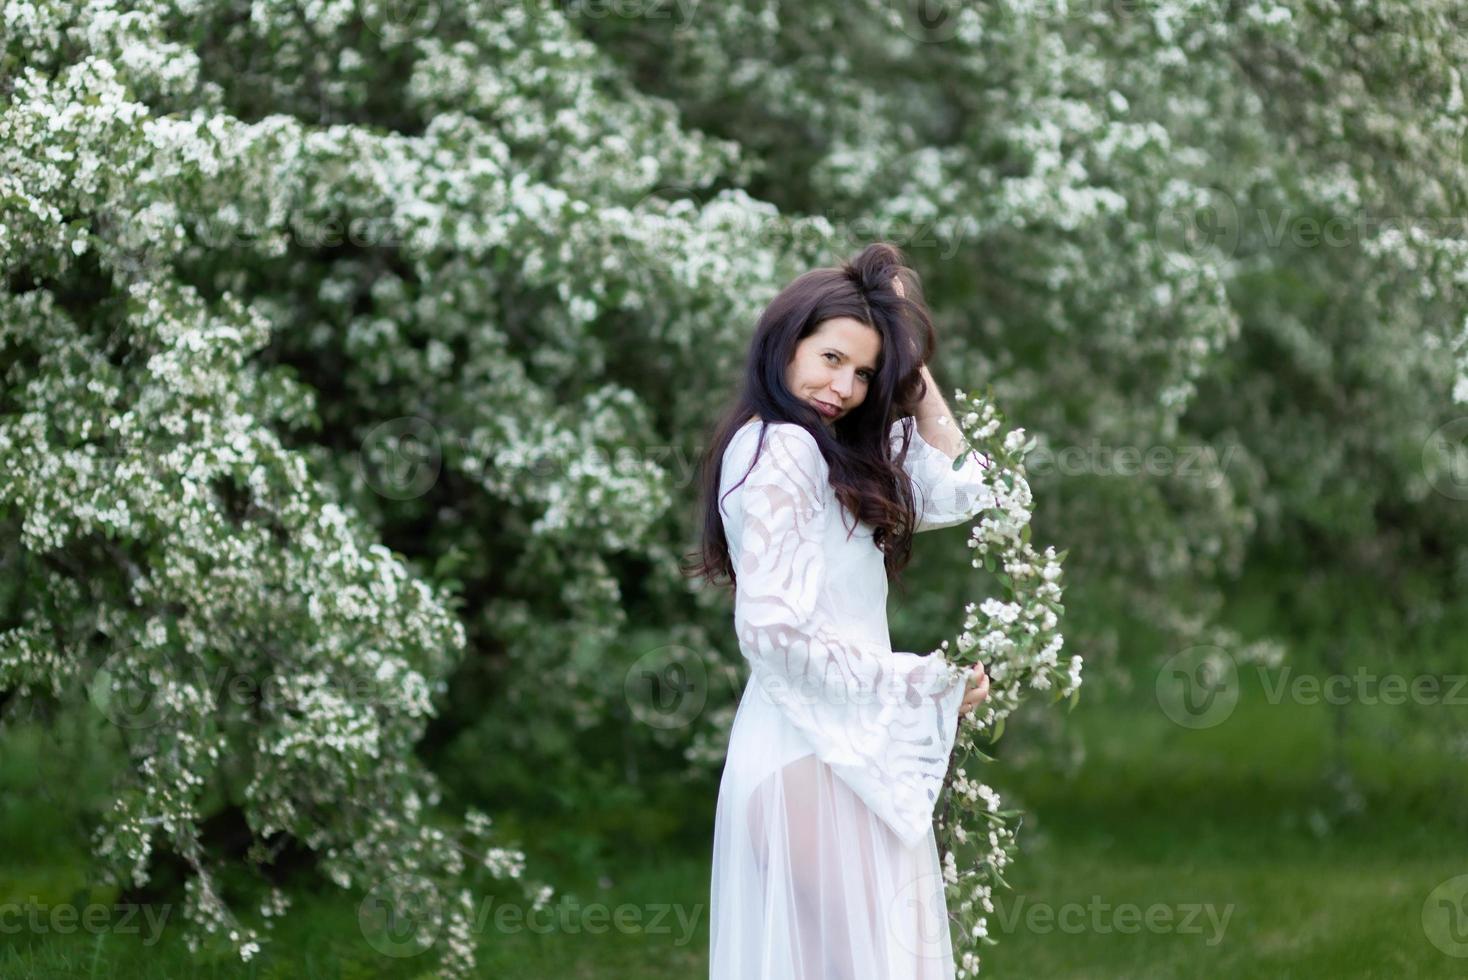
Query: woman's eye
(864, 375)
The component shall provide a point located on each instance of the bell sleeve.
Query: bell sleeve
(884, 721)
(942, 495)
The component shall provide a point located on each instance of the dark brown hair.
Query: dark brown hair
(868, 479)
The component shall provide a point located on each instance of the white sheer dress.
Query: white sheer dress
(825, 866)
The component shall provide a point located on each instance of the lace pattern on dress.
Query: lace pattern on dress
(884, 721)
(945, 496)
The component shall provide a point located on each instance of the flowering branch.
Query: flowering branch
(1016, 637)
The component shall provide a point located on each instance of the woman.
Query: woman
(824, 861)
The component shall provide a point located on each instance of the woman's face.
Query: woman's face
(834, 365)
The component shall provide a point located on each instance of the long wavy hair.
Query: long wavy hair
(867, 477)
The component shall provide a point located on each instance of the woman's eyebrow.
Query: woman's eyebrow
(842, 354)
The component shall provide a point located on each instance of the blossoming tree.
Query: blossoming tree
(345, 351)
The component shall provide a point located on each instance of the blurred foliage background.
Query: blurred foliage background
(356, 360)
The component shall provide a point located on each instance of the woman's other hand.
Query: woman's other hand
(976, 692)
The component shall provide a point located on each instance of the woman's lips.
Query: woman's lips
(828, 411)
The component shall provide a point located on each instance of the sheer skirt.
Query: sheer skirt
(809, 884)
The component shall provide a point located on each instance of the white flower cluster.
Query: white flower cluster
(1015, 635)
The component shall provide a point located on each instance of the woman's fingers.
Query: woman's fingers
(977, 689)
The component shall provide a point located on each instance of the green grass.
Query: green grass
(1237, 817)
(321, 937)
